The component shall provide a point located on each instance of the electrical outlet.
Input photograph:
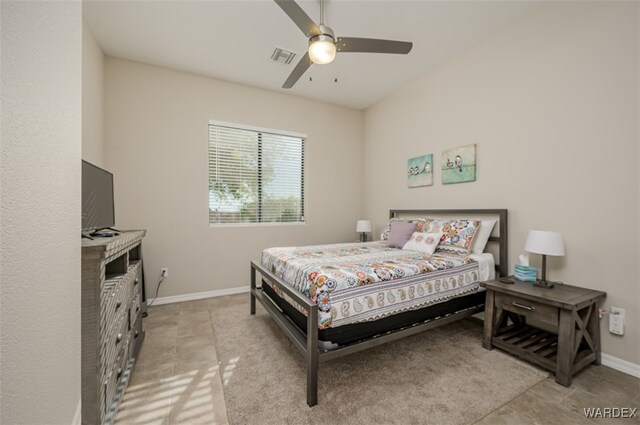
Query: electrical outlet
(616, 321)
(164, 272)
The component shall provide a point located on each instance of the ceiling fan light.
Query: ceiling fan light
(322, 50)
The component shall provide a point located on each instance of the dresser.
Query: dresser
(112, 331)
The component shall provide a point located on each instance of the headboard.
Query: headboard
(502, 238)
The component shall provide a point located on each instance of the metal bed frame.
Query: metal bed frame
(307, 342)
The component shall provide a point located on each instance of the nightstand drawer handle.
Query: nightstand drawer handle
(526, 307)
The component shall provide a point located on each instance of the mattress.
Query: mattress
(486, 265)
(330, 338)
(362, 282)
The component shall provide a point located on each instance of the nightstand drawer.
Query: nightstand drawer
(530, 309)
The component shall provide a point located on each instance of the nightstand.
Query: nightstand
(557, 329)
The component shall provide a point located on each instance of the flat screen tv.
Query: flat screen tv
(97, 198)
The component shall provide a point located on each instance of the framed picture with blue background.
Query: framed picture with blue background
(420, 171)
(459, 165)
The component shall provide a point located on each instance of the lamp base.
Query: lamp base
(543, 284)
(363, 237)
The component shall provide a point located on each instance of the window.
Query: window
(255, 176)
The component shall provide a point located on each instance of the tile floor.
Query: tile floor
(550, 403)
(177, 381)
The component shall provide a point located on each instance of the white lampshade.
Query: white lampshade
(363, 226)
(544, 242)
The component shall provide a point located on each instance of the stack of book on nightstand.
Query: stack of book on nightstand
(526, 273)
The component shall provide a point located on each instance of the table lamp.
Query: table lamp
(545, 243)
(364, 227)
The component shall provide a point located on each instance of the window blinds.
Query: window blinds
(255, 176)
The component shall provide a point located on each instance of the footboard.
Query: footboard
(308, 343)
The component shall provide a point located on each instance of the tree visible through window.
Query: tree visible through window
(255, 176)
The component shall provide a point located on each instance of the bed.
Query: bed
(334, 300)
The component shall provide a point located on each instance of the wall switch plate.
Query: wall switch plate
(616, 321)
(164, 272)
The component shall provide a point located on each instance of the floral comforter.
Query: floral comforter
(356, 282)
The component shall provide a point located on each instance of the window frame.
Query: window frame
(303, 178)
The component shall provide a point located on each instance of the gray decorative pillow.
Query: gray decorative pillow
(400, 233)
(384, 236)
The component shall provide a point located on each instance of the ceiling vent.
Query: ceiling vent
(281, 55)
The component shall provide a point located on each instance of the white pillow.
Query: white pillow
(482, 236)
(423, 242)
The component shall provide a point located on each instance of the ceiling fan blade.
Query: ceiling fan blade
(372, 45)
(297, 72)
(299, 17)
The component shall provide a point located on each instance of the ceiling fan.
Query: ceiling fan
(323, 43)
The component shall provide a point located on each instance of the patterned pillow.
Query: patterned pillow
(384, 236)
(423, 242)
(457, 235)
(429, 225)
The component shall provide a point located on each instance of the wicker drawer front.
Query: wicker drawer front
(108, 303)
(116, 298)
(118, 289)
(113, 382)
(130, 280)
(136, 333)
(107, 349)
(527, 308)
(135, 307)
(137, 280)
(106, 390)
(113, 342)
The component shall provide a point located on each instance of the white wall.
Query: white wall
(92, 98)
(40, 212)
(156, 144)
(552, 104)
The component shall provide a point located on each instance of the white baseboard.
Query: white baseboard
(200, 295)
(77, 417)
(621, 365)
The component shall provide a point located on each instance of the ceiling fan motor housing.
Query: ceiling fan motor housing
(326, 34)
(326, 31)
(321, 37)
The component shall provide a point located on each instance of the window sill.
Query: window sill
(275, 224)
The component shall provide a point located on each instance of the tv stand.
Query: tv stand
(112, 329)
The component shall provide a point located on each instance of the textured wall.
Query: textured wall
(552, 104)
(156, 141)
(92, 98)
(40, 212)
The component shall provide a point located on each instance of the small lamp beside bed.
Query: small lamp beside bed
(363, 227)
(545, 243)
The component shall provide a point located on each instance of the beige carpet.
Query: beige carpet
(442, 376)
